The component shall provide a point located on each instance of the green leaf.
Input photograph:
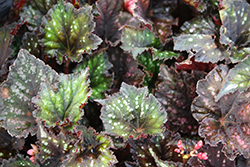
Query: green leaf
(131, 112)
(93, 150)
(137, 41)
(203, 45)
(24, 79)
(237, 78)
(100, 78)
(68, 32)
(59, 103)
(151, 68)
(164, 55)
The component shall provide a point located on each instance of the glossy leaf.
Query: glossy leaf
(237, 78)
(107, 23)
(225, 120)
(59, 103)
(93, 150)
(176, 93)
(100, 78)
(203, 45)
(23, 83)
(137, 41)
(131, 112)
(66, 32)
(33, 11)
(235, 19)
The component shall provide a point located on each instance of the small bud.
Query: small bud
(203, 156)
(198, 145)
(177, 150)
(179, 144)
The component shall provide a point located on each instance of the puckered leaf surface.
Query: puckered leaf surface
(235, 18)
(60, 102)
(24, 79)
(68, 32)
(226, 120)
(107, 23)
(131, 112)
(33, 11)
(100, 78)
(137, 41)
(237, 78)
(93, 150)
(203, 45)
(176, 93)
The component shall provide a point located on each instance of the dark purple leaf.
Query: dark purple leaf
(9, 145)
(160, 15)
(125, 68)
(5, 51)
(176, 93)
(226, 120)
(30, 43)
(216, 157)
(107, 23)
